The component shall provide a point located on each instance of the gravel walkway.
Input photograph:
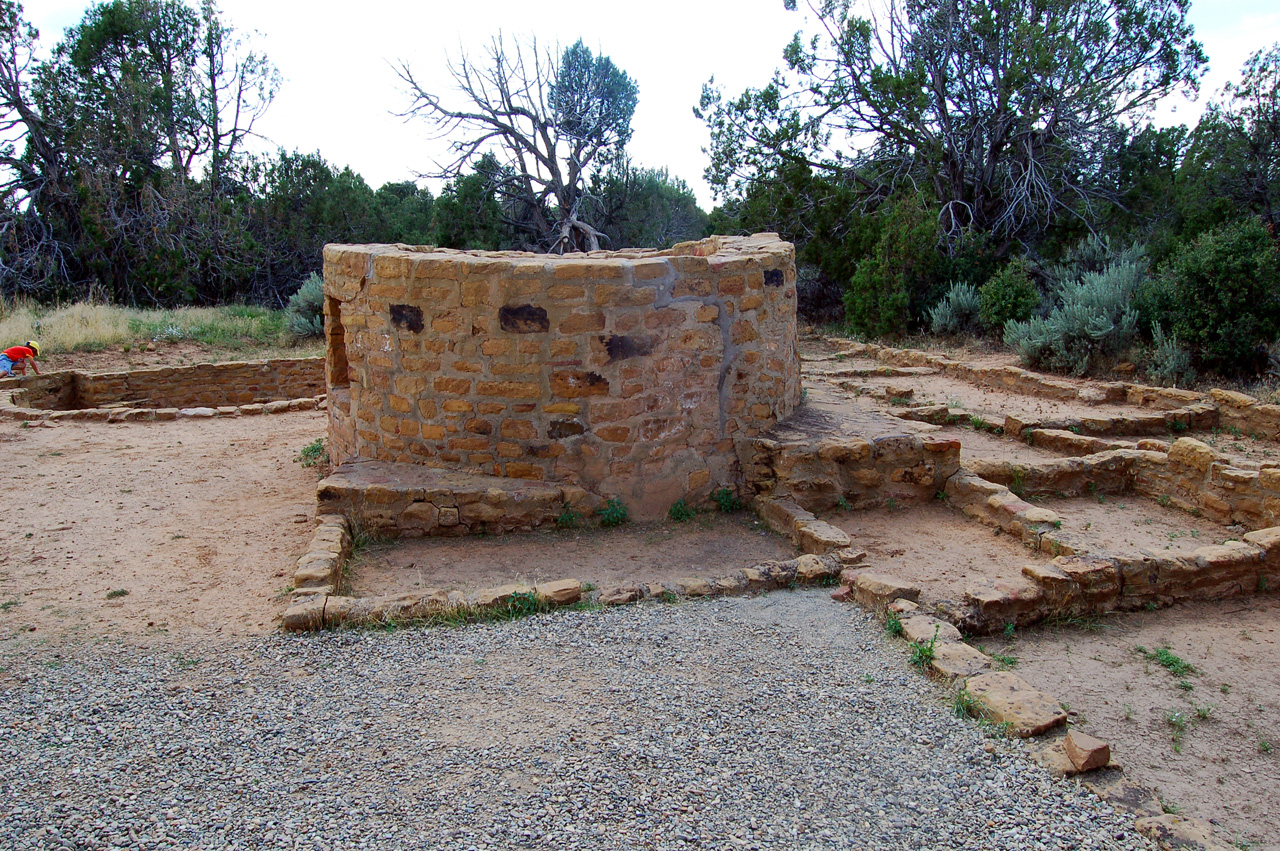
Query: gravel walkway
(782, 721)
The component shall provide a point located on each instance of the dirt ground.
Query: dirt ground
(1210, 747)
(935, 547)
(199, 521)
(707, 546)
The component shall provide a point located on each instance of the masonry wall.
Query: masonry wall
(627, 373)
(212, 385)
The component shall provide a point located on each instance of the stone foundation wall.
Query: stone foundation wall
(1244, 412)
(207, 385)
(859, 473)
(1191, 476)
(628, 373)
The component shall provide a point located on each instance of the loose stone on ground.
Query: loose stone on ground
(780, 721)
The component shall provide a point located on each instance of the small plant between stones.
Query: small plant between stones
(893, 624)
(726, 500)
(680, 512)
(612, 513)
(568, 519)
(922, 652)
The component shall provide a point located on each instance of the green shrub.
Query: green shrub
(892, 284)
(1221, 296)
(680, 511)
(304, 315)
(726, 500)
(957, 313)
(1010, 295)
(1094, 322)
(612, 513)
(1170, 363)
(568, 518)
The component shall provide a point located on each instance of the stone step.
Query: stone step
(410, 500)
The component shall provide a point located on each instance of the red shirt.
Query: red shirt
(17, 353)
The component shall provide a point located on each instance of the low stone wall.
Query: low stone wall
(819, 475)
(1191, 476)
(1075, 586)
(1198, 479)
(235, 383)
(1017, 380)
(626, 373)
(409, 500)
(1248, 415)
(315, 609)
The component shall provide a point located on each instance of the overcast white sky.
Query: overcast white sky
(340, 89)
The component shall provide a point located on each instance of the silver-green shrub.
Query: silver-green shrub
(1093, 322)
(304, 315)
(1171, 362)
(957, 311)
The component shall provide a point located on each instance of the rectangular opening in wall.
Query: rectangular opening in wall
(335, 344)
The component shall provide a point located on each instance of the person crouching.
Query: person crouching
(17, 357)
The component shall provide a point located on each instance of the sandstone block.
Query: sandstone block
(757, 580)
(561, 592)
(819, 538)
(957, 660)
(490, 597)
(420, 515)
(1005, 697)
(811, 568)
(1180, 832)
(306, 616)
(619, 595)
(1002, 601)
(902, 607)
(1112, 787)
(850, 556)
(1085, 752)
(692, 586)
(782, 515)
(875, 590)
(925, 628)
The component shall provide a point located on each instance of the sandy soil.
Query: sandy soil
(1123, 524)
(1238, 447)
(200, 521)
(981, 444)
(1227, 765)
(935, 547)
(707, 546)
(986, 402)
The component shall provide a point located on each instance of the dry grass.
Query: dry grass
(92, 327)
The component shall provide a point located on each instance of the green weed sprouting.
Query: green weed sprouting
(313, 454)
(680, 512)
(612, 513)
(922, 652)
(726, 500)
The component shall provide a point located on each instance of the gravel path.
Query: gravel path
(781, 721)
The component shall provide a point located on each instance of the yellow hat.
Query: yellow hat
(33, 346)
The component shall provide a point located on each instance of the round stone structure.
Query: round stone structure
(627, 373)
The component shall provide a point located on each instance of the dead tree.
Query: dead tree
(551, 122)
